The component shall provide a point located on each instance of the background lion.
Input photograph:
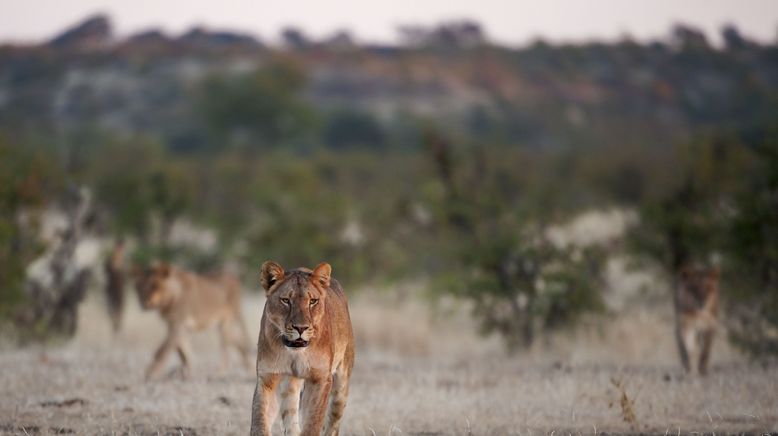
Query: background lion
(189, 302)
(696, 308)
(114, 286)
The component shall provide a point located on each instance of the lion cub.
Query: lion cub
(189, 302)
(305, 343)
(696, 310)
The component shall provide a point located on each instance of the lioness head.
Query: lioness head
(296, 301)
(700, 282)
(153, 285)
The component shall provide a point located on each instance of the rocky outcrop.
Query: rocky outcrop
(94, 32)
(204, 37)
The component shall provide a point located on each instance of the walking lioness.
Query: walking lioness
(696, 310)
(114, 286)
(305, 343)
(189, 302)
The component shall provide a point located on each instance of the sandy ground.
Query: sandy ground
(418, 372)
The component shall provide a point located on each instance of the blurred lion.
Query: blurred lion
(305, 344)
(696, 309)
(114, 286)
(189, 302)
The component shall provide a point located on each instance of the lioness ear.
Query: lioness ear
(271, 274)
(322, 274)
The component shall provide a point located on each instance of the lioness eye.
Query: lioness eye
(314, 301)
(285, 300)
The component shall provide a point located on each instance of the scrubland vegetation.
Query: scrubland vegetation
(449, 163)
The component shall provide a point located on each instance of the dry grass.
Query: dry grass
(417, 373)
(626, 404)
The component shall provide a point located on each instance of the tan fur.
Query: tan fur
(696, 310)
(305, 345)
(190, 302)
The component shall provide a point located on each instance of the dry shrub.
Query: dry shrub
(626, 403)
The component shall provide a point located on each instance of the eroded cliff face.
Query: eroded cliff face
(540, 94)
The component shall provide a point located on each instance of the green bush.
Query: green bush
(496, 251)
(27, 178)
(752, 250)
(263, 108)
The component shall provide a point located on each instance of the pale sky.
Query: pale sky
(511, 22)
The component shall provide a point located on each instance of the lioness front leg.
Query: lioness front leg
(290, 404)
(314, 404)
(707, 343)
(184, 353)
(159, 356)
(264, 395)
(338, 397)
(683, 352)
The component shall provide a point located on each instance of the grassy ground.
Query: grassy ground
(417, 372)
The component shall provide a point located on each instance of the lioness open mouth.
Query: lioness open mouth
(297, 343)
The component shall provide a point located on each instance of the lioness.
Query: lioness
(187, 302)
(114, 286)
(305, 338)
(696, 310)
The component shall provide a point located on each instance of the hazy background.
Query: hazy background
(508, 22)
(507, 193)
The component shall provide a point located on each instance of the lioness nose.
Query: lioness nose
(300, 328)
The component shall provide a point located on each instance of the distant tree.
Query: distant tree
(689, 38)
(686, 221)
(412, 35)
(346, 128)
(453, 34)
(27, 180)
(733, 39)
(295, 38)
(217, 39)
(122, 183)
(678, 228)
(499, 257)
(462, 34)
(141, 191)
(340, 40)
(480, 123)
(94, 32)
(261, 108)
(171, 194)
(752, 251)
(298, 219)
